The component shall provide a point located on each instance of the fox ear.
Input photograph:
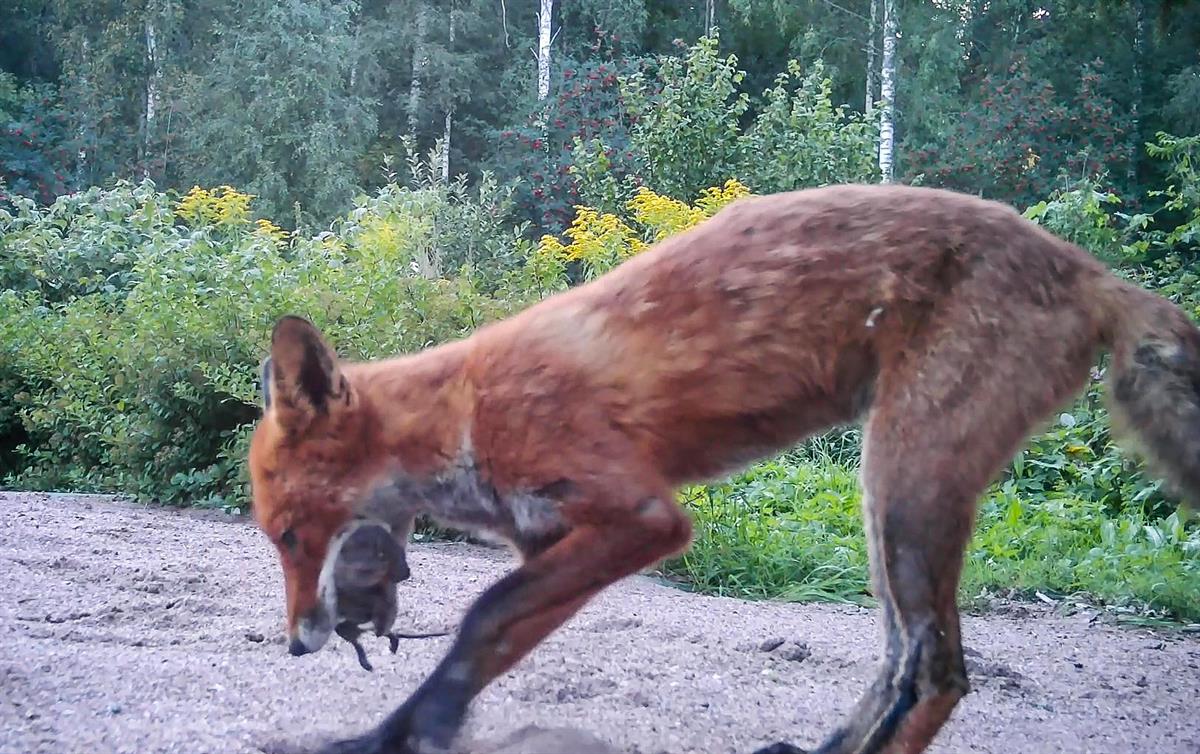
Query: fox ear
(265, 383)
(301, 379)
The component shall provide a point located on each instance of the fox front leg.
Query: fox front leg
(516, 613)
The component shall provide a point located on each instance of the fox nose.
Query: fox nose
(297, 648)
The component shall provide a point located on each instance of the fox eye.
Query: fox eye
(288, 538)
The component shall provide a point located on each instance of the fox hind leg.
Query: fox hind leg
(925, 463)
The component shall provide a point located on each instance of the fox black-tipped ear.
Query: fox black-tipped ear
(301, 378)
(265, 382)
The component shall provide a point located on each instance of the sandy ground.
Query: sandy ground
(130, 629)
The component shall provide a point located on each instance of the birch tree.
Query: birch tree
(887, 94)
(445, 156)
(153, 92)
(869, 105)
(1138, 95)
(420, 59)
(543, 52)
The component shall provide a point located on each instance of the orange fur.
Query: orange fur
(951, 325)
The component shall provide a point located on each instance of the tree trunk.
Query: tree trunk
(504, 23)
(887, 94)
(710, 17)
(871, 33)
(449, 116)
(85, 119)
(153, 89)
(543, 53)
(1135, 124)
(418, 69)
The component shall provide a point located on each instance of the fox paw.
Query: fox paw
(781, 748)
(370, 743)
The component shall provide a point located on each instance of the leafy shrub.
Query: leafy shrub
(800, 139)
(689, 129)
(83, 243)
(1084, 214)
(1015, 139)
(788, 529)
(149, 388)
(448, 225)
(586, 102)
(34, 156)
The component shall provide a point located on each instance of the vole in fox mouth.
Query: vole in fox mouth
(369, 564)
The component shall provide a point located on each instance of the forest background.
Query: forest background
(174, 174)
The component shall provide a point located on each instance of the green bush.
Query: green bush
(81, 244)
(790, 528)
(1073, 514)
(35, 151)
(133, 324)
(147, 382)
(688, 130)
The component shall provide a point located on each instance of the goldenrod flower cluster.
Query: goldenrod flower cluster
(602, 240)
(223, 206)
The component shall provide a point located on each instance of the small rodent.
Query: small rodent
(369, 565)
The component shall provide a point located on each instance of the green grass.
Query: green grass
(790, 528)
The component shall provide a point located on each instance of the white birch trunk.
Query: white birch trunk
(543, 53)
(1135, 125)
(869, 106)
(449, 118)
(710, 17)
(504, 23)
(81, 157)
(887, 94)
(418, 69)
(153, 89)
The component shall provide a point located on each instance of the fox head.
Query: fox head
(311, 465)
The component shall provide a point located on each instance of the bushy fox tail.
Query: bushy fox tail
(1154, 383)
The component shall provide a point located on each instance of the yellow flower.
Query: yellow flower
(601, 240)
(226, 206)
(271, 230)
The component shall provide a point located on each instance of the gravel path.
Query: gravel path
(131, 629)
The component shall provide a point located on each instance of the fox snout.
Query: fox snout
(311, 632)
(356, 585)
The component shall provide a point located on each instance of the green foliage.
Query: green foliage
(539, 151)
(147, 385)
(1084, 215)
(1087, 215)
(452, 225)
(1182, 194)
(790, 528)
(1016, 138)
(33, 141)
(689, 128)
(297, 101)
(778, 530)
(275, 114)
(801, 139)
(82, 244)
(1076, 456)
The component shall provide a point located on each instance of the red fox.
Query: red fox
(948, 325)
